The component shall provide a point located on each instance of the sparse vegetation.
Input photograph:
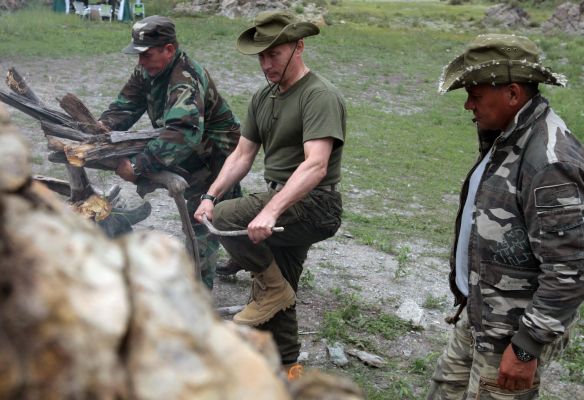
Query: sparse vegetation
(307, 280)
(403, 259)
(434, 303)
(573, 357)
(354, 321)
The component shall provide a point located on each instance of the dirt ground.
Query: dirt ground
(339, 263)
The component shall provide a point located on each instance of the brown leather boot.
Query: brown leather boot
(270, 293)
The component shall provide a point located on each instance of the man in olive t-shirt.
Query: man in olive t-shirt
(299, 120)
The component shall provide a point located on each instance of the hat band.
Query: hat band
(262, 39)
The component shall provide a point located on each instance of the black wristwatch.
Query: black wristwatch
(521, 354)
(134, 169)
(207, 196)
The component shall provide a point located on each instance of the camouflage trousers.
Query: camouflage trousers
(208, 244)
(465, 373)
(312, 219)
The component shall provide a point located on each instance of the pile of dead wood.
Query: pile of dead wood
(75, 138)
(68, 136)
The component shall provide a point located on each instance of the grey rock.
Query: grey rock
(409, 310)
(337, 354)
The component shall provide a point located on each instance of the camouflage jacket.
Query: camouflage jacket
(526, 250)
(198, 123)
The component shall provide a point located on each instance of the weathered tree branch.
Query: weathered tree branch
(124, 136)
(79, 112)
(56, 185)
(79, 154)
(65, 132)
(18, 85)
(242, 232)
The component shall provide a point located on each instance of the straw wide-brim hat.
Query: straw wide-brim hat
(272, 28)
(498, 59)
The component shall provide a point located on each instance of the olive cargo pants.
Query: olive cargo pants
(312, 219)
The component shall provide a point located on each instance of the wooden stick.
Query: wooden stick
(80, 154)
(176, 185)
(124, 136)
(65, 132)
(17, 83)
(56, 185)
(79, 112)
(242, 232)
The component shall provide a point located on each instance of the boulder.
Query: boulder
(506, 16)
(568, 17)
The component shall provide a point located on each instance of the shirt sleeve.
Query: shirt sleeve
(553, 205)
(324, 116)
(129, 106)
(250, 128)
(184, 124)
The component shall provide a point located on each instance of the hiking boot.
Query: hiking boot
(231, 267)
(270, 293)
(293, 372)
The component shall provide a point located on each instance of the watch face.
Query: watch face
(521, 354)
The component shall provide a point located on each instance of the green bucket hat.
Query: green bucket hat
(153, 31)
(497, 59)
(272, 28)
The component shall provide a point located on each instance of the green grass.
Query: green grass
(434, 303)
(407, 148)
(357, 323)
(573, 357)
(361, 325)
(307, 280)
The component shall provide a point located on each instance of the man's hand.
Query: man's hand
(515, 374)
(103, 127)
(206, 207)
(260, 228)
(125, 170)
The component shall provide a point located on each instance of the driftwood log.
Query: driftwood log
(86, 317)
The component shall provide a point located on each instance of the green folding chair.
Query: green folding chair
(138, 10)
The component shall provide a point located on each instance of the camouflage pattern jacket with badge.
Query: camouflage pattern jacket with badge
(199, 129)
(526, 250)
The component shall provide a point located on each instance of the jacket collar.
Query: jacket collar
(531, 111)
(162, 75)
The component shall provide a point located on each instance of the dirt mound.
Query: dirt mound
(568, 17)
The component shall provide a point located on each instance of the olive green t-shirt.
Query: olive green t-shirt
(311, 109)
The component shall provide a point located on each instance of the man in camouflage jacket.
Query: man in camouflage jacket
(199, 129)
(517, 264)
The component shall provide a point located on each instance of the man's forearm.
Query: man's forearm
(306, 177)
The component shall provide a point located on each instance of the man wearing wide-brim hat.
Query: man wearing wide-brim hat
(299, 120)
(517, 262)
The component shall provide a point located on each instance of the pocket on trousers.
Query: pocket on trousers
(489, 390)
